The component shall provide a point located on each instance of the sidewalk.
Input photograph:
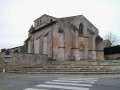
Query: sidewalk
(61, 75)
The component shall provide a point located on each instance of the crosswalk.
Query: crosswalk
(66, 84)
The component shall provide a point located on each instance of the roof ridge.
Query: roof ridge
(70, 16)
(44, 15)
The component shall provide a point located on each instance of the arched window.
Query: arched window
(81, 29)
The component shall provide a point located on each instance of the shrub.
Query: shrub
(51, 60)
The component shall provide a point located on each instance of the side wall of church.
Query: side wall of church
(45, 41)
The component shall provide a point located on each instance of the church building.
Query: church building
(68, 38)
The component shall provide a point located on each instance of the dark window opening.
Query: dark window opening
(51, 20)
(46, 34)
(60, 30)
(37, 23)
(40, 22)
(81, 29)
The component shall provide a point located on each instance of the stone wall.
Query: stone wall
(61, 39)
(81, 46)
(21, 60)
(112, 57)
(1, 62)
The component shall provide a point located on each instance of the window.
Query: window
(40, 22)
(37, 22)
(51, 20)
(81, 29)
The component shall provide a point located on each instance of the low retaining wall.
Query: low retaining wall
(112, 57)
(21, 60)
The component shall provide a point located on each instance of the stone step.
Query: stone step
(82, 64)
(66, 71)
(69, 69)
(86, 62)
(106, 72)
(73, 67)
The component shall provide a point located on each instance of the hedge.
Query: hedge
(112, 50)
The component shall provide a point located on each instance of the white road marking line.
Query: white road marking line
(73, 81)
(79, 79)
(88, 85)
(61, 87)
(65, 81)
(34, 89)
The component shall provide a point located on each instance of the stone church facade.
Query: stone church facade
(65, 38)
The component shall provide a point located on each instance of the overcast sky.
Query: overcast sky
(16, 16)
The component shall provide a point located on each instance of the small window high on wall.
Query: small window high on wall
(37, 22)
(81, 26)
(40, 22)
(51, 20)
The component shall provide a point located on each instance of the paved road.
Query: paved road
(58, 82)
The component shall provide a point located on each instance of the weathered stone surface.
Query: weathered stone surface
(18, 61)
(62, 38)
(112, 57)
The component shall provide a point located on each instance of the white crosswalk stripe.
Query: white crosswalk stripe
(66, 84)
(73, 81)
(34, 89)
(62, 87)
(59, 83)
(79, 79)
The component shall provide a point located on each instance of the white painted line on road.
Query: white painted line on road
(34, 89)
(87, 85)
(72, 81)
(61, 87)
(79, 79)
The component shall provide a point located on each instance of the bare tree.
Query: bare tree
(111, 39)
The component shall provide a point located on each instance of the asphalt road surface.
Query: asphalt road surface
(58, 82)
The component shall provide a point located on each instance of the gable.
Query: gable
(43, 20)
(90, 27)
(74, 23)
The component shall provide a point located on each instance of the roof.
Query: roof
(44, 26)
(45, 15)
(77, 16)
(91, 31)
(70, 16)
(98, 37)
(31, 28)
(27, 39)
(105, 41)
(64, 18)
